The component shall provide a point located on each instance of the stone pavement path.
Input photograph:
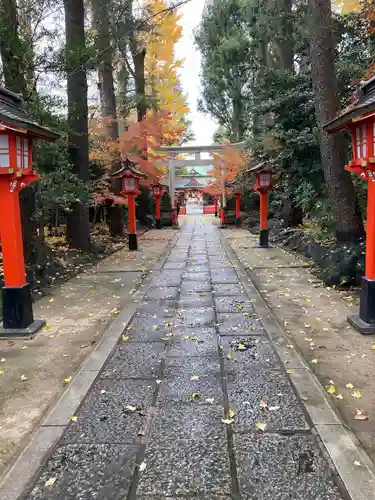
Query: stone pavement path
(157, 422)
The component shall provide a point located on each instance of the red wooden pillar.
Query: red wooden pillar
(263, 235)
(238, 208)
(132, 224)
(158, 211)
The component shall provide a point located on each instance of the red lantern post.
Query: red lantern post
(238, 208)
(157, 192)
(17, 133)
(360, 121)
(263, 184)
(130, 187)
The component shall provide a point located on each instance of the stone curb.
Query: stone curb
(17, 479)
(341, 444)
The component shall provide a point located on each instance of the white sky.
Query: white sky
(203, 126)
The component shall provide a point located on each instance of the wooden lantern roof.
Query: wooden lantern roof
(129, 168)
(363, 105)
(13, 116)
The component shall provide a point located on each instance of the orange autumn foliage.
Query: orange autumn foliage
(135, 145)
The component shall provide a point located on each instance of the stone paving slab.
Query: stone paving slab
(174, 265)
(112, 421)
(233, 304)
(162, 293)
(135, 360)
(195, 317)
(192, 287)
(168, 278)
(196, 276)
(198, 469)
(223, 276)
(178, 385)
(271, 386)
(149, 327)
(99, 471)
(200, 341)
(230, 289)
(273, 467)
(203, 299)
(239, 324)
(247, 353)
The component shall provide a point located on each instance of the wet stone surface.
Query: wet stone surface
(149, 327)
(162, 293)
(243, 353)
(225, 275)
(191, 287)
(196, 276)
(135, 360)
(239, 324)
(191, 380)
(101, 471)
(230, 289)
(195, 317)
(233, 304)
(199, 341)
(246, 393)
(272, 467)
(203, 299)
(121, 410)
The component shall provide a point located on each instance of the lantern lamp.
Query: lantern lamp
(263, 184)
(130, 178)
(359, 120)
(157, 191)
(17, 133)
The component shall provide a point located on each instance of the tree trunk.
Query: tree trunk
(285, 35)
(101, 9)
(78, 228)
(349, 226)
(140, 81)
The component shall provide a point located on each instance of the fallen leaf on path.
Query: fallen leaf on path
(142, 467)
(50, 482)
(227, 421)
(194, 377)
(231, 413)
(356, 394)
(1, 372)
(229, 356)
(158, 381)
(74, 418)
(209, 401)
(241, 347)
(315, 361)
(124, 338)
(373, 347)
(24, 378)
(48, 326)
(331, 389)
(67, 380)
(260, 426)
(273, 408)
(2, 360)
(52, 300)
(360, 415)
(289, 372)
(262, 404)
(130, 409)
(196, 395)
(357, 463)
(339, 396)
(350, 386)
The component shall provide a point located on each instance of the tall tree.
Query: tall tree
(101, 10)
(78, 229)
(340, 188)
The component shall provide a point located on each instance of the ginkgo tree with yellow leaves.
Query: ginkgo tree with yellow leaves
(162, 70)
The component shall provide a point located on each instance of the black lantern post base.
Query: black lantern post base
(365, 321)
(263, 238)
(158, 224)
(133, 242)
(18, 318)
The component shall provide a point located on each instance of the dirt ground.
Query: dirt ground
(314, 316)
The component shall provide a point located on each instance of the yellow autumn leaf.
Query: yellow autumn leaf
(74, 418)
(194, 377)
(315, 361)
(50, 482)
(231, 413)
(260, 426)
(67, 380)
(196, 395)
(331, 389)
(262, 404)
(356, 394)
(52, 300)
(289, 372)
(229, 356)
(241, 347)
(124, 338)
(227, 421)
(1, 372)
(350, 386)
